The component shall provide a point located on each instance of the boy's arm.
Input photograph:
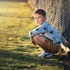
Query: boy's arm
(39, 30)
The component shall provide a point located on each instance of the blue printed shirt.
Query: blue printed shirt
(48, 31)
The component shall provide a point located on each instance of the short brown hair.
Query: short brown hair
(40, 11)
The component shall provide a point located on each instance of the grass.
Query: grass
(16, 50)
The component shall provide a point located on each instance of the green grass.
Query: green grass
(16, 50)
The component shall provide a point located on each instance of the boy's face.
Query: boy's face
(39, 19)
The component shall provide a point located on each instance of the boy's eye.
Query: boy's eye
(39, 17)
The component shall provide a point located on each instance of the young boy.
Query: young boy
(46, 36)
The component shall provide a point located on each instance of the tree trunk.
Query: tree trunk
(58, 15)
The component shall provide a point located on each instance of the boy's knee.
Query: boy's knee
(36, 37)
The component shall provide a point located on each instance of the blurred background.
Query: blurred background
(16, 49)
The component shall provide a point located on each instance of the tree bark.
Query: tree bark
(58, 15)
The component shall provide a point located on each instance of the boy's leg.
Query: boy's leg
(46, 44)
(39, 41)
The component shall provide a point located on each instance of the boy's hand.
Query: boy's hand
(34, 43)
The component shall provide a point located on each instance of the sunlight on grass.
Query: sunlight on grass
(16, 50)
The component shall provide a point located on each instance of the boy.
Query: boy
(46, 36)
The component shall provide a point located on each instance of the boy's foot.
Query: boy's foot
(66, 50)
(45, 54)
(65, 57)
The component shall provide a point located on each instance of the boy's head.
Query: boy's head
(39, 16)
(40, 11)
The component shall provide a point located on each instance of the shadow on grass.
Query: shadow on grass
(27, 59)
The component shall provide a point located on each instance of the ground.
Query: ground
(16, 49)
